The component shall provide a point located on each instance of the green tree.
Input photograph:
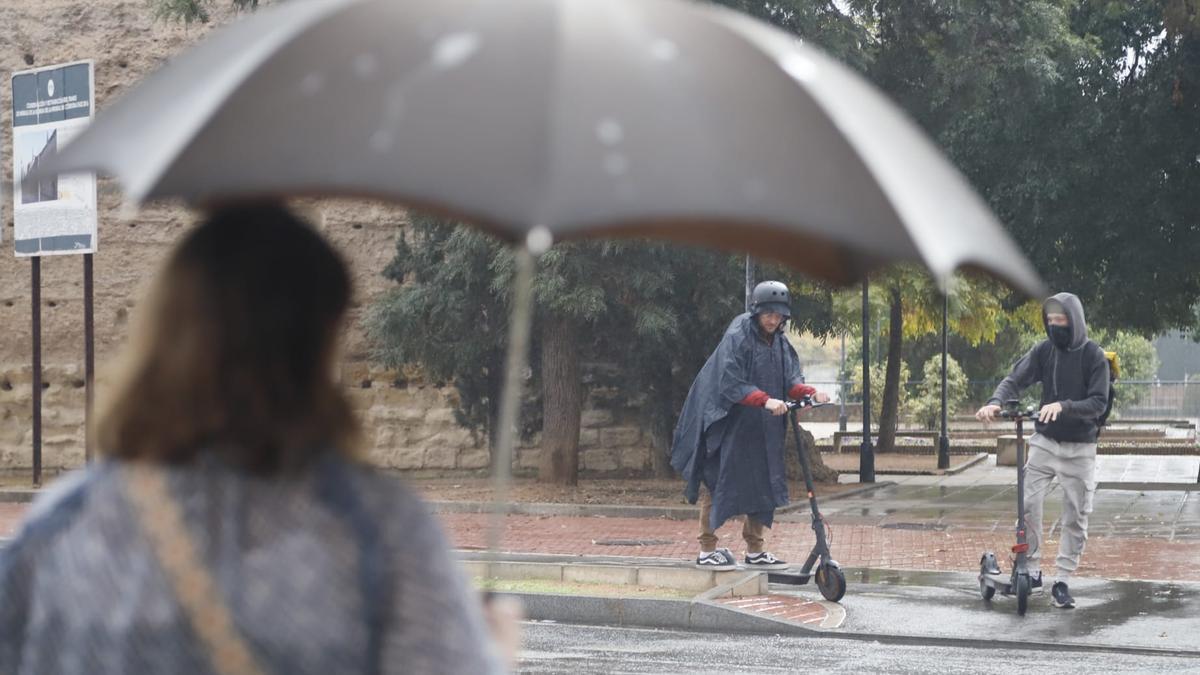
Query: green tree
(878, 371)
(645, 315)
(190, 11)
(913, 307)
(1137, 358)
(926, 406)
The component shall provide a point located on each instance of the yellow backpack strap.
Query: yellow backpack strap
(1114, 365)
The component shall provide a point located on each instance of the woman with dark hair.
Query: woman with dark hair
(230, 528)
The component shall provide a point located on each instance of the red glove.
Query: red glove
(756, 400)
(799, 391)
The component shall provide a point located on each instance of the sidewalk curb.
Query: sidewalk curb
(616, 511)
(1148, 487)
(952, 471)
(694, 615)
(573, 510)
(708, 616)
(955, 470)
(18, 495)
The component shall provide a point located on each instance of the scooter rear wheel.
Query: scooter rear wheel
(987, 565)
(831, 582)
(985, 591)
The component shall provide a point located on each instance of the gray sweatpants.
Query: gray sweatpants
(1074, 465)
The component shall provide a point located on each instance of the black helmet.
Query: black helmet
(771, 296)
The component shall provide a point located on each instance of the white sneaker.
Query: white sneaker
(720, 560)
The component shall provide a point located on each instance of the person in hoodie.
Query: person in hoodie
(1073, 372)
(731, 433)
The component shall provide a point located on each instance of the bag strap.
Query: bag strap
(161, 521)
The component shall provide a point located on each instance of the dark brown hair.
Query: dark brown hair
(235, 351)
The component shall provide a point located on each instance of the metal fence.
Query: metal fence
(1140, 399)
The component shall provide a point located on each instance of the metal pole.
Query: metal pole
(866, 456)
(89, 354)
(943, 460)
(842, 388)
(35, 295)
(749, 281)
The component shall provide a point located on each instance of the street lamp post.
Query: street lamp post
(943, 460)
(842, 388)
(866, 456)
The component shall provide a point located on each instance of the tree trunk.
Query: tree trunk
(660, 460)
(493, 393)
(890, 411)
(662, 419)
(562, 402)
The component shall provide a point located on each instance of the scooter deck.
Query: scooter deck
(788, 577)
(1002, 587)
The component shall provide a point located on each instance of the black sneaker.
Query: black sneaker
(720, 560)
(1061, 596)
(765, 561)
(1035, 583)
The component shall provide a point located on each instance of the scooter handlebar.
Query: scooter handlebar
(803, 402)
(1029, 414)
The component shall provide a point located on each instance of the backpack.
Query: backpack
(1114, 371)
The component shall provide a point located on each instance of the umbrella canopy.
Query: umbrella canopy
(657, 118)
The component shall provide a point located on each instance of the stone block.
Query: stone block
(599, 459)
(443, 416)
(474, 458)
(596, 417)
(398, 457)
(525, 571)
(439, 457)
(677, 578)
(395, 413)
(475, 569)
(755, 585)
(637, 457)
(589, 438)
(619, 437)
(619, 575)
(1006, 450)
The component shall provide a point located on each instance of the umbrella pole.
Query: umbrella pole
(515, 362)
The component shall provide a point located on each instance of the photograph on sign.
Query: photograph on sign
(57, 214)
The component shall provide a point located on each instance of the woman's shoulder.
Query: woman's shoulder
(379, 492)
(58, 506)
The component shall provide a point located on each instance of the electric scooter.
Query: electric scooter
(830, 579)
(991, 579)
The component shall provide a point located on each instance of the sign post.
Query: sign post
(52, 215)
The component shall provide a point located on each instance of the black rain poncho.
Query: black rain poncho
(737, 450)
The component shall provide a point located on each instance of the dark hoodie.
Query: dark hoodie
(1076, 376)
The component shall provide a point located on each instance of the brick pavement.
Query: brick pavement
(854, 545)
(782, 607)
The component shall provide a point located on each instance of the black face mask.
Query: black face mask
(1060, 336)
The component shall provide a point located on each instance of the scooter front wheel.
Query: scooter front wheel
(1024, 588)
(831, 582)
